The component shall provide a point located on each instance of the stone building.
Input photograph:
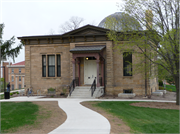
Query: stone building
(83, 54)
(5, 74)
(16, 75)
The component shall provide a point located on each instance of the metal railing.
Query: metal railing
(72, 86)
(100, 81)
(93, 87)
(77, 81)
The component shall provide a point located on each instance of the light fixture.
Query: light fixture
(86, 58)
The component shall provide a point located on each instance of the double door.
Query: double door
(90, 71)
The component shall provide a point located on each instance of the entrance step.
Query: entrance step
(85, 92)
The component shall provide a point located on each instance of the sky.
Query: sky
(40, 17)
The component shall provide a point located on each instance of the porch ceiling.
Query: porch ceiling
(87, 49)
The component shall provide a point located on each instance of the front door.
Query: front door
(90, 71)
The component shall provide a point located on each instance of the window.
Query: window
(51, 65)
(12, 87)
(44, 66)
(19, 86)
(19, 70)
(127, 64)
(19, 78)
(12, 70)
(127, 90)
(12, 78)
(58, 65)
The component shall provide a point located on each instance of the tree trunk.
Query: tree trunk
(176, 78)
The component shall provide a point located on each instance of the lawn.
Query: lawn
(144, 120)
(1, 96)
(169, 87)
(14, 115)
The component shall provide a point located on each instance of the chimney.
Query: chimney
(149, 19)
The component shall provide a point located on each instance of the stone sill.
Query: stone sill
(51, 77)
(127, 77)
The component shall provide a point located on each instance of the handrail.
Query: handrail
(72, 86)
(93, 87)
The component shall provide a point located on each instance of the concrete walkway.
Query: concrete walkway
(80, 120)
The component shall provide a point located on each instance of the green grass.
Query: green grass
(144, 120)
(1, 96)
(14, 115)
(168, 87)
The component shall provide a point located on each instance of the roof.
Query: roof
(70, 33)
(87, 49)
(119, 19)
(19, 63)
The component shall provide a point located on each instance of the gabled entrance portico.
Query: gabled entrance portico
(91, 67)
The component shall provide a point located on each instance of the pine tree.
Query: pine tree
(6, 46)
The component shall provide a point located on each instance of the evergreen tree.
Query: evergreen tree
(6, 46)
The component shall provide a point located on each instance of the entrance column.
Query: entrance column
(74, 64)
(97, 61)
(79, 70)
(102, 72)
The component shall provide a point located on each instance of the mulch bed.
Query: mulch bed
(55, 96)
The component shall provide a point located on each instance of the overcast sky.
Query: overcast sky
(39, 17)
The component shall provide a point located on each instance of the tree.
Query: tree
(6, 46)
(158, 45)
(73, 23)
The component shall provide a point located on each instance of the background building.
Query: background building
(6, 71)
(16, 74)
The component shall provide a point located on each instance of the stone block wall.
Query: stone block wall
(109, 67)
(115, 81)
(33, 64)
(135, 82)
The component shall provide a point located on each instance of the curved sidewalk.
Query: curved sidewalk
(80, 120)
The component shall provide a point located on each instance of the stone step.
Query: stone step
(82, 87)
(83, 92)
(164, 91)
(157, 93)
(80, 96)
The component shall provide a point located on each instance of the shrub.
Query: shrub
(160, 83)
(17, 92)
(161, 88)
(51, 89)
(64, 90)
(11, 94)
(170, 90)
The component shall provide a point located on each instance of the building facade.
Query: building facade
(82, 54)
(16, 73)
(5, 68)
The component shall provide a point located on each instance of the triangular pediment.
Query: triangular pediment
(87, 30)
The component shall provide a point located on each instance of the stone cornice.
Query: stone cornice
(16, 66)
